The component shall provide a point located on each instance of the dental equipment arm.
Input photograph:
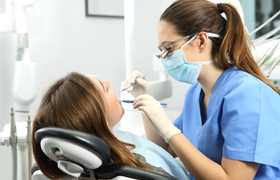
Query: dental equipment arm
(264, 37)
(274, 38)
(265, 23)
(268, 54)
(275, 63)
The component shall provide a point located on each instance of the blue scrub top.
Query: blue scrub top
(242, 122)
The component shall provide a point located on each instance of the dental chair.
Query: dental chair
(81, 156)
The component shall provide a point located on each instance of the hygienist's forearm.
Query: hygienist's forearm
(201, 167)
(153, 135)
(197, 163)
(151, 132)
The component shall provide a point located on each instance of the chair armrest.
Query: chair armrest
(34, 168)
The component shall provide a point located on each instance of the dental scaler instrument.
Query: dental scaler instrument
(132, 84)
(268, 54)
(132, 101)
(275, 63)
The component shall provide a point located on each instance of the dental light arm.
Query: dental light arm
(21, 25)
(26, 71)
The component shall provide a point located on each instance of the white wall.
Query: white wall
(62, 39)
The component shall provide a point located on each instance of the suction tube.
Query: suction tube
(29, 146)
(13, 142)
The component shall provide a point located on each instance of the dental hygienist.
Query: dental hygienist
(230, 123)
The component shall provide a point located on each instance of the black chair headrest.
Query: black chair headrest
(89, 141)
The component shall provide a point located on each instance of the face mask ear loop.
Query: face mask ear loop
(208, 62)
(185, 45)
(209, 35)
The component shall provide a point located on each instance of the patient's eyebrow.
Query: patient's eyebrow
(101, 84)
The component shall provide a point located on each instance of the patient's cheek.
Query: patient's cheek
(115, 112)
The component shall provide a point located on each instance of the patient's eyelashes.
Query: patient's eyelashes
(107, 88)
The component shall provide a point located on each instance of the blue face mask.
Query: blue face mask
(178, 68)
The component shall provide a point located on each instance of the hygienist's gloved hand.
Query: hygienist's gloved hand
(153, 109)
(141, 87)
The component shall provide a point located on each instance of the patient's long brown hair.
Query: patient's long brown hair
(73, 102)
(192, 16)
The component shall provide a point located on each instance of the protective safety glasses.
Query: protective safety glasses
(166, 48)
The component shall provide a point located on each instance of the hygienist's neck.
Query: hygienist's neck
(208, 77)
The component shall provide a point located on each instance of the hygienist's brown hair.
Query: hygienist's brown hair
(193, 16)
(74, 102)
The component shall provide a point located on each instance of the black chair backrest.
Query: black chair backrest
(99, 147)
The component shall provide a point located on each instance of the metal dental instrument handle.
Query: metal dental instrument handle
(132, 84)
(268, 54)
(275, 63)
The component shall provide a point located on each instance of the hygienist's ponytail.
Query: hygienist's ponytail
(235, 47)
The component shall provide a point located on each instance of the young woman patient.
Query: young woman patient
(86, 104)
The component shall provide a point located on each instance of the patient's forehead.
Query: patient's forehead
(95, 81)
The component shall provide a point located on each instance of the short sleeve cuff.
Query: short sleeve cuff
(250, 157)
